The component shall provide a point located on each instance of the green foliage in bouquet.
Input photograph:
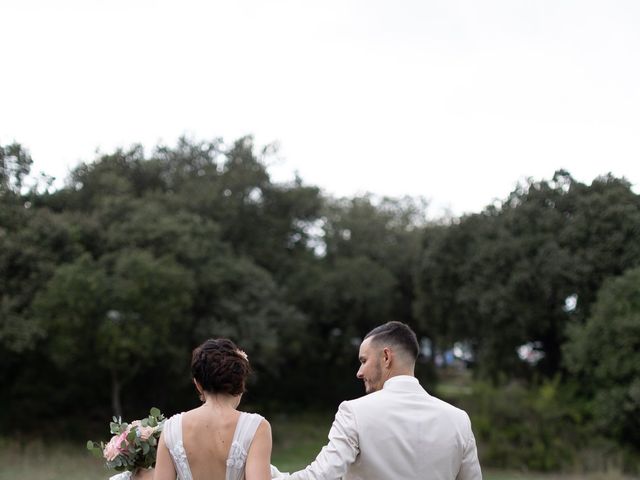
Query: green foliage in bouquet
(133, 445)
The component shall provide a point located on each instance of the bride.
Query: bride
(215, 440)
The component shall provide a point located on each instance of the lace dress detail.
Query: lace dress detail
(237, 456)
(246, 428)
(243, 435)
(181, 457)
(173, 439)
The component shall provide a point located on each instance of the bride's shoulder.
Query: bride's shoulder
(253, 417)
(174, 419)
(254, 424)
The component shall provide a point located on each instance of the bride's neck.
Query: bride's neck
(221, 401)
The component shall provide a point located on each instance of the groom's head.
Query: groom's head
(386, 351)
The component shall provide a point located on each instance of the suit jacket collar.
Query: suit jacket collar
(402, 383)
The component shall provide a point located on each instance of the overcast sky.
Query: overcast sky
(452, 100)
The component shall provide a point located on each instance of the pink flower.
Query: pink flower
(110, 452)
(145, 432)
(114, 447)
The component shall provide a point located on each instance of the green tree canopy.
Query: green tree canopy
(120, 313)
(502, 278)
(604, 354)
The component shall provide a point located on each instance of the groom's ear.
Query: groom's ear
(387, 356)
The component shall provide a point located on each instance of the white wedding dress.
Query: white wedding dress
(246, 428)
(243, 435)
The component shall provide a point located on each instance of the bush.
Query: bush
(519, 427)
(605, 354)
(545, 428)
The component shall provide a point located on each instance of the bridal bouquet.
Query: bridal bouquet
(133, 446)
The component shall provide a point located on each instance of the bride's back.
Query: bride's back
(215, 441)
(207, 435)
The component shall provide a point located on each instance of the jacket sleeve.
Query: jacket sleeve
(470, 466)
(334, 459)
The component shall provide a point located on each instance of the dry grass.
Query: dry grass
(498, 475)
(297, 441)
(37, 461)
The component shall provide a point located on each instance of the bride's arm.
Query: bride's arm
(164, 465)
(258, 465)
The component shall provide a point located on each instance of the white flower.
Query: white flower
(243, 354)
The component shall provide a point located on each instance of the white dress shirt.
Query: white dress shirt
(398, 433)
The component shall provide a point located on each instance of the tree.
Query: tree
(181, 206)
(343, 300)
(387, 231)
(118, 314)
(242, 301)
(29, 254)
(15, 165)
(604, 353)
(502, 278)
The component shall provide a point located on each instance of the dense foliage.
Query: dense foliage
(107, 283)
(604, 354)
(505, 277)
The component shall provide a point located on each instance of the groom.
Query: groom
(398, 431)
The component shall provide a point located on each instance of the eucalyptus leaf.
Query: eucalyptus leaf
(114, 428)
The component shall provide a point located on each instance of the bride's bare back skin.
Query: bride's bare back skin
(207, 434)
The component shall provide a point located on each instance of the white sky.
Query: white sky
(452, 100)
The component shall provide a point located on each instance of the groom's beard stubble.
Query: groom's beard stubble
(373, 383)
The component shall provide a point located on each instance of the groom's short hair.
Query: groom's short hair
(396, 334)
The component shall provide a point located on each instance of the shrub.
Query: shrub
(519, 427)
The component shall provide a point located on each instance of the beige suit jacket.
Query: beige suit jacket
(398, 433)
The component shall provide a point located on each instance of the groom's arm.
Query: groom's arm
(334, 459)
(470, 466)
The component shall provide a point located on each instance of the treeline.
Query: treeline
(108, 283)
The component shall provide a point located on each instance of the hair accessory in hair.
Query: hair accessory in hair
(243, 354)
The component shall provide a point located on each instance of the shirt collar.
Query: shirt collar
(400, 379)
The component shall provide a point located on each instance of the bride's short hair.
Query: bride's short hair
(219, 366)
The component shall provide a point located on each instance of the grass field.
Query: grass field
(297, 440)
